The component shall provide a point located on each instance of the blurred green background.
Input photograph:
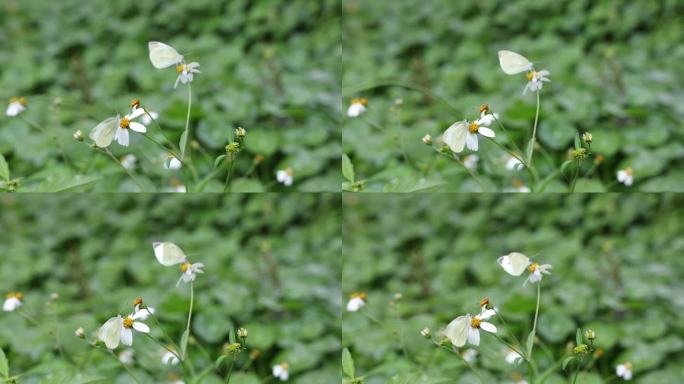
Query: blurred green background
(270, 66)
(271, 265)
(615, 70)
(617, 269)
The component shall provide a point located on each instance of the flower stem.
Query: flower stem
(187, 327)
(230, 370)
(534, 130)
(166, 335)
(186, 131)
(470, 366)
(536, 315)
(226, 186)
(574, 178)
(111, 155)
(506, 325)
(135, 378)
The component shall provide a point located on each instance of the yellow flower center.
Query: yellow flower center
(533, 267)
(19, 100)
(128, 322)
(531, 75)
(184, 267)
(15, 295)
(629, 366)
(629, 171)
(358, 295)
(361, 101)
(473, 127)
(180, 68)
(475, 322)
(518, 183)
(124, 123)
(285, 366)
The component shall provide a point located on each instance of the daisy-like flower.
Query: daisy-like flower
(285, 176)
(126, 356)
(513, 357)
(119, 330)
(467, 328)
(16, 106)
(625, 370)
(469, 355)
(128, 161)
(169, 358)
(516, 263)
(357, 107)
(281, 371)
(171, 162)
(514, 164)
(463, 134)
(357, 300)
(470, 161)
(626, 176)
(147, 119)
(125, 123)
(13, 300)
(186, 72)
(169, 254)
(144, 310)
(535, 80)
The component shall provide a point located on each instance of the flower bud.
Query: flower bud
(80, 333)
(590, 335)
(581, 349)
(240, 133)
(233, 148)
(580, 153)
(484, 108)
(398, 296)
(232, 348)
(242, 333)
(54, 296)
(135, 103)
(587, 137)
(426, 333)
(78, 135)
(427, 139)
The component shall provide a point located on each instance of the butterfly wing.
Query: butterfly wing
(103, 133)
(514, 263)
(110, 332)
(168, 253)
(455, 136)
(162, 55)
(457, 330)
(512, 63)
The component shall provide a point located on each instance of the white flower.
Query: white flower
(285, 176)
(626, 176)
(624, 370)
(516, 263)
(357, 107)
(124, 123)
(186, 72)
(171, 162)
(128, 161)
(80, 333)
(118, 330)
(535, 80)
(470, 161)
(281, 371)
(144, 313)
(463, 134)
(357, 300)
(13, 300)
(514, 164)
(513, 357)
(16, 106)
(427, 139)
(467, 328)
(469, 355)
(189, 272)
(147, 120)
(126, 356)
(169, 358)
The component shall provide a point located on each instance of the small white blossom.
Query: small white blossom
(470, 161)
(514, 164)
(624, 370)
(281, 371)
(427, 139)
(128, 161)
(285, 176)
(469, 355)
(13, 300)
(147, 119)
(535, 80)
(467, 328)
(126, 356)
(118, 330)
(171, 162)
(513, 357)
(357, 107)
(16, 106)
(626, 176)
(80, 333)
(463, 134)
(169, 358)
(357, 300)
(126, 122)
(186, 72)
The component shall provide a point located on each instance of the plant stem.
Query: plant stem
(111, 155)
(166, 335)
(470, 172)
(135, 378)
(186, 131)
(574, 178)
(230, 370)
(187, 328)
(470, 366)
(536, 315)
(226, 186)
(506, 325)
(534, 129)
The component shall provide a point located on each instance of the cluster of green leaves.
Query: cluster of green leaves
(615, 72)
(271, 266)
(616, 270)
(271, 67)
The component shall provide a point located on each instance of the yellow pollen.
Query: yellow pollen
(184, 267)
(629, 366)
(532, 267)
(138, 301)
(128, 322)
(629, 171)
(285, 366)
(473, 127)
(19, 296)
(475, 322)
(517, 183)
(531, 75)
(124, 123)
(362, 101)
(180, 68)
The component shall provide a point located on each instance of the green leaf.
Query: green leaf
(4, 364)
(578, 142)
(347, 168)
(530, 344)
(4, 168)
(183, 142)
(184, 342)
(218, 160)
(578, 337)
(347, 363)
(567, 361)
(218, 361)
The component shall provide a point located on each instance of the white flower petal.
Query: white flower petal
(141, 327)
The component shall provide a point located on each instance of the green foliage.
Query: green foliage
(271, 266)
(269, 66)
(616, 270)
(604, 80)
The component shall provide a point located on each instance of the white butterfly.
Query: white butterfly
(103, 133)
(513, 63)
(162, 55)
(455, 136)
(457, 330)
(110, 332)
(168, 253)
(514, 263)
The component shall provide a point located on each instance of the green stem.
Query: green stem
(187, 327)
(226, 186)
(470, 366)
(576, 175)
(111, 155)
(534, 129)
(186, 131)
(455, 158)
(135, 378)
(166, 335)
(506, 325)
(517, 148)
(230, 370)
(536, 315)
